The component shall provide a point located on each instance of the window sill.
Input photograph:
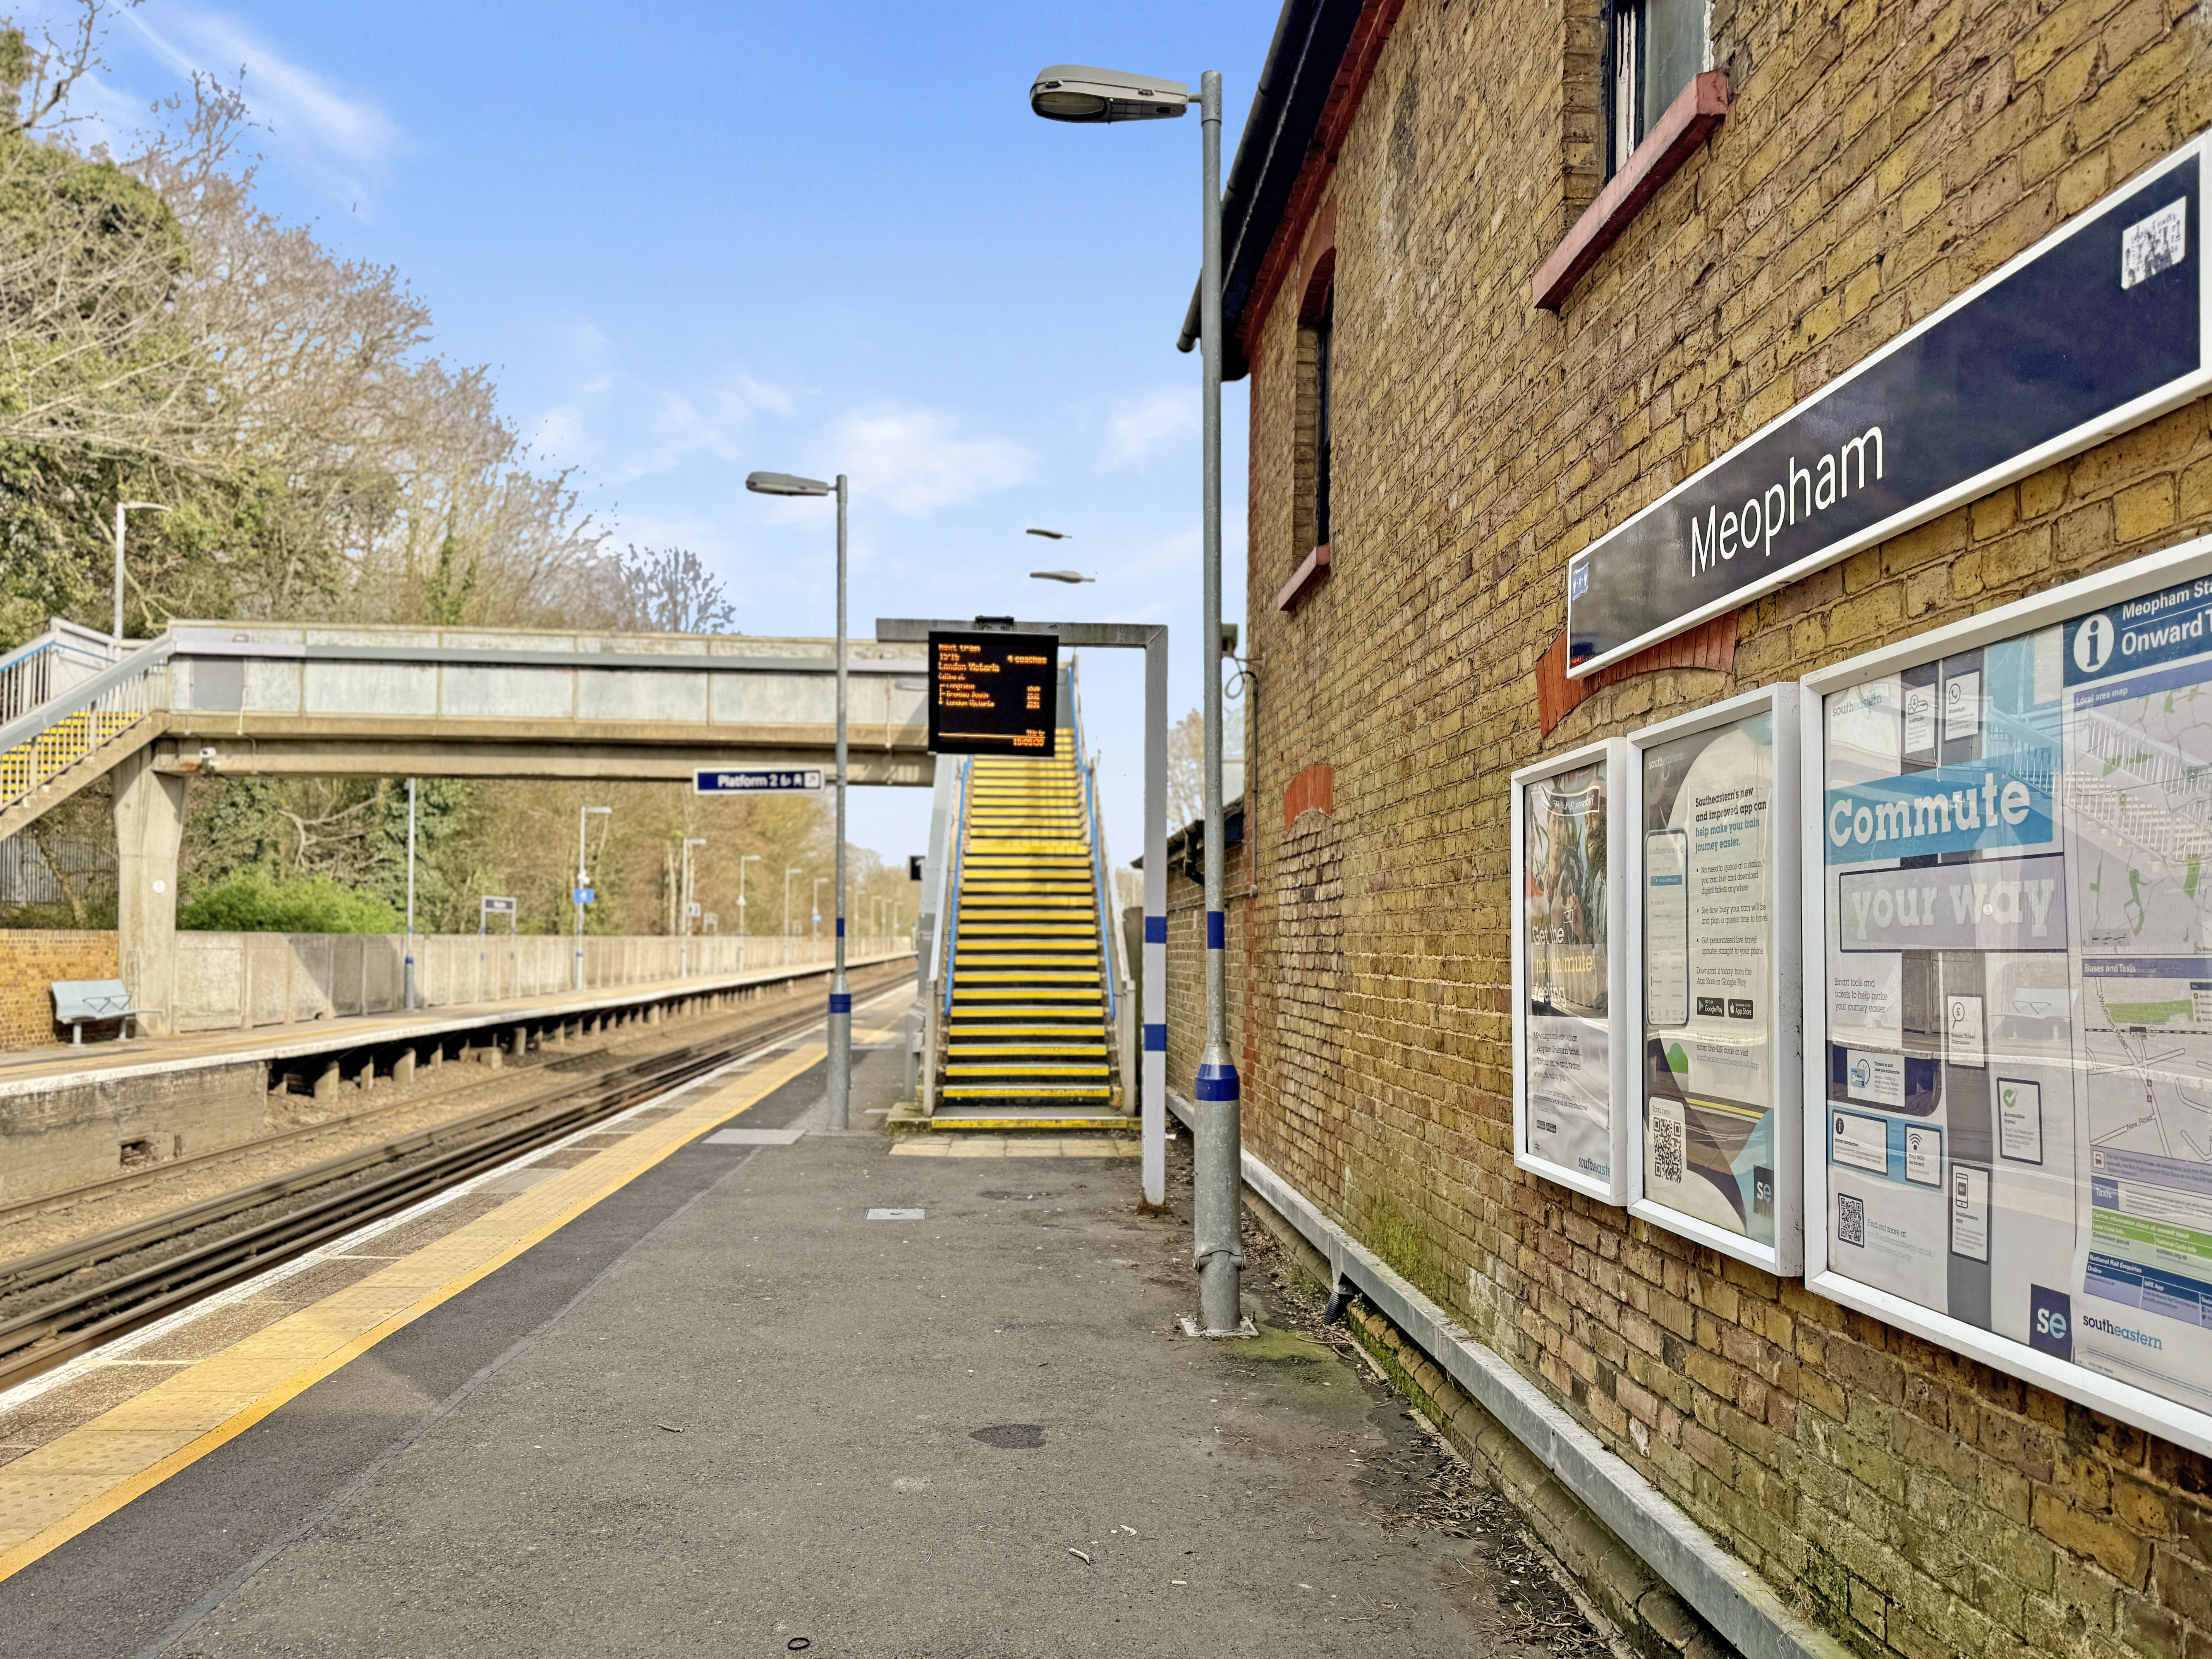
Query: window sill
(1703, 104)
(1308, 576)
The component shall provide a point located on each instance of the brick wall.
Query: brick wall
(1880, 156)
(31, 959)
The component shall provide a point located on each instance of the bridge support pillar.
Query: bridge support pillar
(149, 832)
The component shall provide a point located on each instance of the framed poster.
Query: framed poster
(1569, 977)
(2007, 947)
(1714, 972)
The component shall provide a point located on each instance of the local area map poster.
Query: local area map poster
(1570, 1110)
(2019, 1100)
(1708, 1063)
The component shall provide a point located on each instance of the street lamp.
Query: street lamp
(1071, 577)
(841, 993)
(795, 870)
(683, 951)
(750, 857)
(122, 507)
(582, 884)
(819, 880)
(407, 968)
(1077, 92)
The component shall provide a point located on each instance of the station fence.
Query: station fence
(227, 981)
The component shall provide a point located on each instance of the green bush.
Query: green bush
(252, 903)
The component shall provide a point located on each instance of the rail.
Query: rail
(959, 857)
(43, 742)
(1090, 771)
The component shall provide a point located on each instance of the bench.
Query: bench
(80, 1001)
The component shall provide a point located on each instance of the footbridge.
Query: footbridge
(265, 699)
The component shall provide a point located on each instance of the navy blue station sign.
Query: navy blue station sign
(757, 780)
(2098, 328)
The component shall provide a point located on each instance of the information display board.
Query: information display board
(2008, 953)
(1569, 978)
(993, 694)
(1714, 959)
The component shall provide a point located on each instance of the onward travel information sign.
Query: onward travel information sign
(993, 694)
(2014, 842)
(2098, 328)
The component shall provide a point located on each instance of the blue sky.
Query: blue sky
(695, 238)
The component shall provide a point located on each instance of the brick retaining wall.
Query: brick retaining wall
(31, 959)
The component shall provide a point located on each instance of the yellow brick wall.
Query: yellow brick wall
(1880, 156)
(31, 959)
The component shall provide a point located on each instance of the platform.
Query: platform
(679, 1390)
(27, 1070)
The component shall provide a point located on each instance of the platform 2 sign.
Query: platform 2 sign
(2097, 329)
(993, 694)
(757, 780)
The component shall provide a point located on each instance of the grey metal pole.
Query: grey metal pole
(1216, 1206)
(118, 573)
(841, 993)
(1154, 1063)
(577, 898)
(407, 973)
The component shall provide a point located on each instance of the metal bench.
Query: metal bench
(78, 1002)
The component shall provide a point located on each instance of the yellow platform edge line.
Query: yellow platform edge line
(87, 1516)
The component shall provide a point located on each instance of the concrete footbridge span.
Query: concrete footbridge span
(266, 699)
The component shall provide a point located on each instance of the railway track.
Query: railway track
(138, 1273)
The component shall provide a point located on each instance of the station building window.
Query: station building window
(1653, 49)
(1324, 333)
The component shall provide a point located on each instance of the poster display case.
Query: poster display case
(1713, 1013)
(2007, 955)
(1569, 976)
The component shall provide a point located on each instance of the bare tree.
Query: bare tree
(670, 590)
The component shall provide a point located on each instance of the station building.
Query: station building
(1501, 278)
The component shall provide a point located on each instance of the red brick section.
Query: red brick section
(1313, 790)
(1879, 157)
(31, 959)
(1689, 120)
(1710, 645)
(1369, 36)
(1306, 578)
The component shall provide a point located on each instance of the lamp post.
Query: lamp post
(796, 870)
(683, 951)
(122, 507)
(407, 968)
(819, 880)
(1073, 92)
(841, 993)
(583, 880)
(750, 857)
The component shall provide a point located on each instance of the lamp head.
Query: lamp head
(784, 484)
(1077, 92)
(1068, 576)
(1050, 535)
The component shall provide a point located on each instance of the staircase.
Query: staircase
(1030, 1000)
(70, 707)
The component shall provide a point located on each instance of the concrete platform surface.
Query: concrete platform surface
(726, 1412)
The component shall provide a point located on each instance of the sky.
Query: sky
(695, 240)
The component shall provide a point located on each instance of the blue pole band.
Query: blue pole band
(840, 1002)
(1216, 930)
(1156, 930)
(840, 927)
(1217, 1083)
(1156, 1039)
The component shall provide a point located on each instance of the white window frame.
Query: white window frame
(1613, 752)
(2178, 1422)
(1784, 990)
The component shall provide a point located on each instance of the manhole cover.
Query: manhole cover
(1011, 1436)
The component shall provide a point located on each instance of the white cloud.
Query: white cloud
(912, 458)
(342, 146)
(1140, 427)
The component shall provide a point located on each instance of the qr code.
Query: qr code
(1850, 1220)
(1667, 1150)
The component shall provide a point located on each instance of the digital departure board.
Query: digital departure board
(993, 694)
